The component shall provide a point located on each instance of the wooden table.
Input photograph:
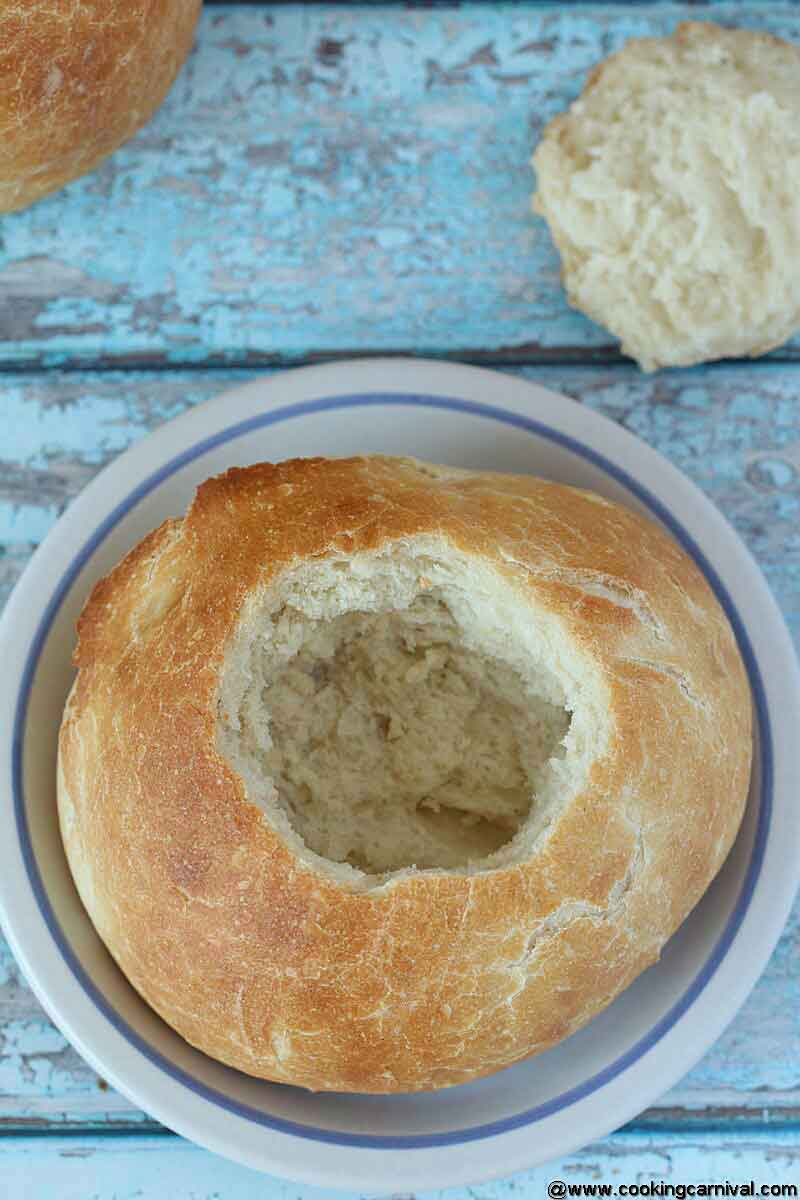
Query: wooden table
(335, 179)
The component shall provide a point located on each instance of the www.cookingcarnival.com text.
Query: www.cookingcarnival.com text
(557, 1189)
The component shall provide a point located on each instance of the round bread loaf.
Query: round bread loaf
(79, 77)
(672, 191)
(380, 776)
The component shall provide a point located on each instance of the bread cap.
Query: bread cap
(672, 191)
(453, 632)
(79, 77)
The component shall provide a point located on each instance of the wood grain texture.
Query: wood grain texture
(734, 430)
(329, 177)
(146, 1167)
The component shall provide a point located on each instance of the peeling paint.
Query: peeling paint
(164, 1165)
(378, 155)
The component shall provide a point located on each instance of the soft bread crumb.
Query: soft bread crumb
(386, 732)
(672, 191)
(391, 745)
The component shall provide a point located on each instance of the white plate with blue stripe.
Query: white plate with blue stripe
(600, 1077)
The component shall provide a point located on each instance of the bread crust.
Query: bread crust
(78, 79)
(432, 979)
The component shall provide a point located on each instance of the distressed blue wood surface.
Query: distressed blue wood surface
(328, 178)
(146, 1168)
(734, 429)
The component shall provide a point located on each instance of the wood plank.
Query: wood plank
(122, 1168)
(733, 429)
(329, 178)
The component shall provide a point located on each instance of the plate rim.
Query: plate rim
(272, 410)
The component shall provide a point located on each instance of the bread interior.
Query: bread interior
(401, 711)
(672, 188)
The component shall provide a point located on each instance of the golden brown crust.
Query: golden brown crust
(437, 978)
(79, 77)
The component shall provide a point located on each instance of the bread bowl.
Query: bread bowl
(79, 77)
(318, 623)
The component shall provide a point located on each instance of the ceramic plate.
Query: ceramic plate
(537, 1110)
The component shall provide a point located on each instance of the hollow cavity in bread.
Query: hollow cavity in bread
(392, 713)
